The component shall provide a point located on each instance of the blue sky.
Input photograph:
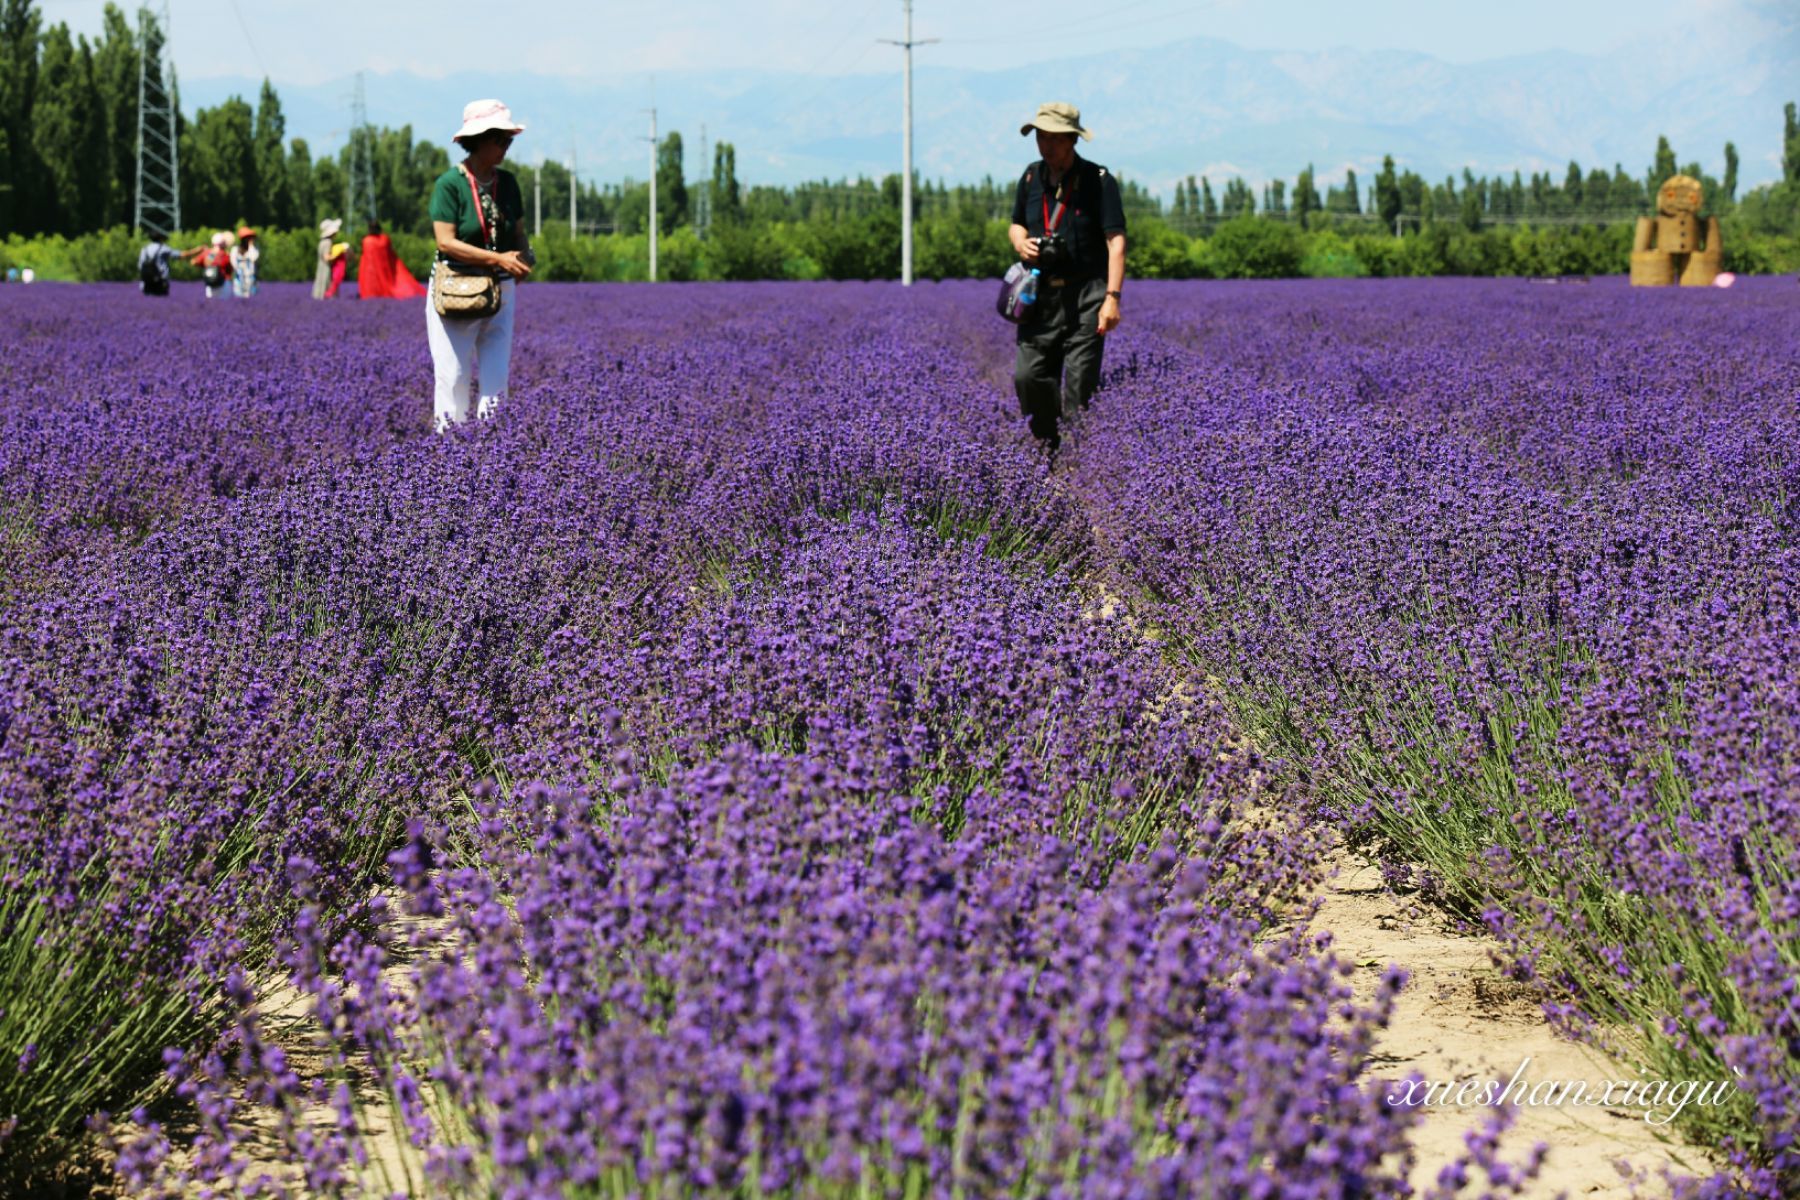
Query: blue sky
(313, 42)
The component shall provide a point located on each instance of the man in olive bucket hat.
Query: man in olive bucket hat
(1069, 223)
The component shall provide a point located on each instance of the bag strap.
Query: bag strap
(475, 195)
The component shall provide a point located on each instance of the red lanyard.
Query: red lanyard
(481, 216)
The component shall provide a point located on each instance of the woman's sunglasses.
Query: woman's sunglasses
(504, 139)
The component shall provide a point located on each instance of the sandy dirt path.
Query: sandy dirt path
(1460, 1018)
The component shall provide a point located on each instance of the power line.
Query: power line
(248, 40)
(1080, 27)
(860, 28)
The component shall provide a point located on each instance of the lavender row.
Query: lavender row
(1508, 575)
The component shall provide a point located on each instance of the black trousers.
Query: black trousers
(1058, 366)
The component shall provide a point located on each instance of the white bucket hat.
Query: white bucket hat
(479, 116)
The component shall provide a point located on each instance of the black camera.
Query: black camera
(1053, 252)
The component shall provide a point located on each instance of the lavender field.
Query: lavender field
(742, 769)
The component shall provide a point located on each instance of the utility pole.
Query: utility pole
(157, 209)
(703, 205)
(652, 140)
(906, 178)
(571, 191)
(537, 199)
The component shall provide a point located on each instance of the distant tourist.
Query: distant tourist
(153, 267)
(1068, 224)
(322, 271)
(244, 257)
(214, 261)
(339, 259)
(381, 275)
(478, 217)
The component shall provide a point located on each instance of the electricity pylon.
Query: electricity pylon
(359, 184)
(653, 165)
(158, 206)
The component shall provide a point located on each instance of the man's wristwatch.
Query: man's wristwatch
(1114, 295)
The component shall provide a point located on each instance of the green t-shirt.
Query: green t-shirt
(451, 201)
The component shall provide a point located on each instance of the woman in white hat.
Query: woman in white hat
(214, 261)
(322, 264)
(478, 217)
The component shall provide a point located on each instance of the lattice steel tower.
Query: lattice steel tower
(158, 207)
(359, 184)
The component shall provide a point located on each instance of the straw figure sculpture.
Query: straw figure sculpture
(1669, 248)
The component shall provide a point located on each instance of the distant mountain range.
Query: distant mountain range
(1197, 106)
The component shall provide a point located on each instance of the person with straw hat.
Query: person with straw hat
(478, 219)
(1068, 224)
(244, 257)
(322, 271)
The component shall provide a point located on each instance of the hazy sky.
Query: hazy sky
(320, 40)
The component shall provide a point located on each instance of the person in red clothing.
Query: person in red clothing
(340, 262)
(381, 275)
(214, 262)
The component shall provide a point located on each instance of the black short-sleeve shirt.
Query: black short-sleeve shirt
(1093, 210)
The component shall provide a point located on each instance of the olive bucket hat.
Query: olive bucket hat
(1057, 117)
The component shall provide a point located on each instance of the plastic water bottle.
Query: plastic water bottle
(1028, 293)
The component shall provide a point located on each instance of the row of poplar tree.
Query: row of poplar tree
(1598, 194)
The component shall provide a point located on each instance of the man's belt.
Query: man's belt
(1060, 281)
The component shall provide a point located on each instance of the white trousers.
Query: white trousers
(458, 348)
